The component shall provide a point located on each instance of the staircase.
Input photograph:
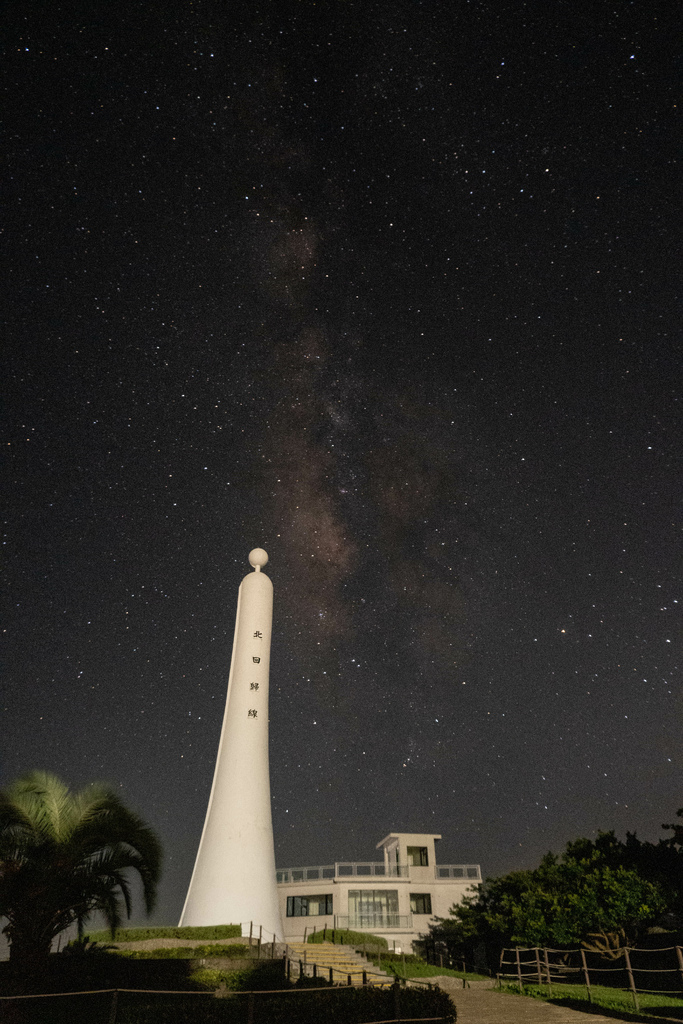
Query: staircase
(319, 958)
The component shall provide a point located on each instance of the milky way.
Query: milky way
(388, 291)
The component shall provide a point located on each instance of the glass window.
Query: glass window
(420, 903)
(417, 856)
(309, 906)
(472, 873)
(373, 904)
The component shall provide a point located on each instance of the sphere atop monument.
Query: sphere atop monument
(258, 558)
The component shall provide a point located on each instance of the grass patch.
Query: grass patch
(392, 963)
(345, 937)
(423, 970)
(235, 951)
(217, 931)
(615, 999)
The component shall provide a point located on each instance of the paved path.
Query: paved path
(486, 1006)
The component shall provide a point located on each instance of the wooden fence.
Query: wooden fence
(247, 1002)
(533, 965)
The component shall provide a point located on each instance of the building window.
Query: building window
(420, 903)
(309, 906)
(417, 856)
(373, 908)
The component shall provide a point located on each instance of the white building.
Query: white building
(397, 897)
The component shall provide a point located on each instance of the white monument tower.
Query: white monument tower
(233, 880)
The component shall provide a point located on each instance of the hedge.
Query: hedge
(233, 951)
(344, 937)
(217, 931)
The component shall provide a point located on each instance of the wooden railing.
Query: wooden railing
(534, 965)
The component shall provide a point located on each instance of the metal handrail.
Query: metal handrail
(404, 922)
(372, 869)
(464, 872)
(342, 869)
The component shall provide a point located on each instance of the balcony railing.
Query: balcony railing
(374, 921)
(466, 872)
(374, 869)
(343, 869)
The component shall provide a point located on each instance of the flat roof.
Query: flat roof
(399, 835)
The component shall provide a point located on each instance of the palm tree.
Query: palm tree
(64, 856)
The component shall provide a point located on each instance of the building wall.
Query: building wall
(415, 878)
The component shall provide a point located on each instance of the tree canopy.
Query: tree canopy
(600, 893)
(65, 856)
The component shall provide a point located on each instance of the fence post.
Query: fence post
(273, 953)
(547, 970)
(348, 980)
(331, 975)
(365, 977)
(586, 975)
(251, 930)
(519, 970)
(315, 970)
(630, 978)
(260, 936)
(114, 1006)
(250, 1009)
(538, 965)
(679, 954)
(396, 988)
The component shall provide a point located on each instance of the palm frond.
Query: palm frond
(65, 855)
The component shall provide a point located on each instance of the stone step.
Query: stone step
(344, 961)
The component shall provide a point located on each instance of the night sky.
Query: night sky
(387, 289)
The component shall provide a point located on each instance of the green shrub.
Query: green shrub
(264, 975)
(211, 978)
(344, 937)
(234, 951)
(217, 931)
(333, 1006)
